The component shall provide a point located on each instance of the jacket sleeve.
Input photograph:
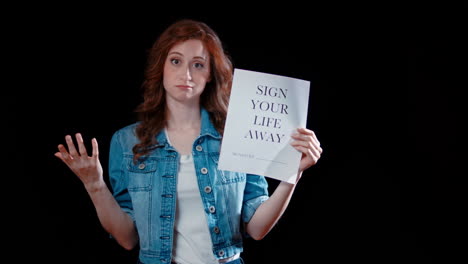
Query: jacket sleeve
(255, 193)
(118, 177)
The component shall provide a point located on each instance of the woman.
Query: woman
(168, 197)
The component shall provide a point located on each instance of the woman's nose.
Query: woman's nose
(186, 73)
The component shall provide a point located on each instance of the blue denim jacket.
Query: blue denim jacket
(147, 192)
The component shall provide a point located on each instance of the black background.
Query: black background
(385, 102)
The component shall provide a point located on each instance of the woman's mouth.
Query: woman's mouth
(184, 86)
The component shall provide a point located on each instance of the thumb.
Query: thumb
(59, 155)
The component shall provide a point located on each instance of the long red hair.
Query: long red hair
(215, 97)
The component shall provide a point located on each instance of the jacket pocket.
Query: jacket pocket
(140, 175)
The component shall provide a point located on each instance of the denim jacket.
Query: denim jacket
(146, 190)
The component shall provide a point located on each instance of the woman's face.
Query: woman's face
(186, 71)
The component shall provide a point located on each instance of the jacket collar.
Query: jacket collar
(207, 129)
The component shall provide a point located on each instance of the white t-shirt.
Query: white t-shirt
(192, 240)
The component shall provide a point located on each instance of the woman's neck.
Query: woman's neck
(183, 116)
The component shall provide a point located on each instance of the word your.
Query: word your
(270, 106)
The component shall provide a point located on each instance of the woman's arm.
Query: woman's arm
(89, 170)
(269, 212)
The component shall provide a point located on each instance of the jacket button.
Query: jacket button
(207, 189)
(199, 148)
(204, 170)
(141, 166)
(212, 209)
(216, 230)
(221, 253)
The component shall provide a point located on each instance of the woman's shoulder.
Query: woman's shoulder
(126, 132)
(128, 128)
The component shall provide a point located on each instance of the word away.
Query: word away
(265, 136)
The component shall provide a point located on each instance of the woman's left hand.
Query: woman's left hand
(306, 142)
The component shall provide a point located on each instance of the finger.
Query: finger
(307, 139)
(308, 133)
(59, 155)
(315, 140)
(303, 143)
(71, 146)
(305, 131)
(315, 150)
(320, 149)
(301, 137)
(81, 146)
(64, 154)
(313, 144)
(307, 152)
(95, 148)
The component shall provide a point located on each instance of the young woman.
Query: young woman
(168, 196)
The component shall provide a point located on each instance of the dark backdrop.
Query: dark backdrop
(384, 102)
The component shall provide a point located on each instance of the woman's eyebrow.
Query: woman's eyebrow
(176, 53)
(180, 54)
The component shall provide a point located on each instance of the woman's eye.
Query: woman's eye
(198, 65)
(175, 61)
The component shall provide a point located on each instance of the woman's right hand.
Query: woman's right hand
(87, 168)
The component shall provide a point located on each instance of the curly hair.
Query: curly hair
(152, 112)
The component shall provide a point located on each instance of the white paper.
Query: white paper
(264, 110)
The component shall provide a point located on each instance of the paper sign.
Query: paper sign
(264, 110)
